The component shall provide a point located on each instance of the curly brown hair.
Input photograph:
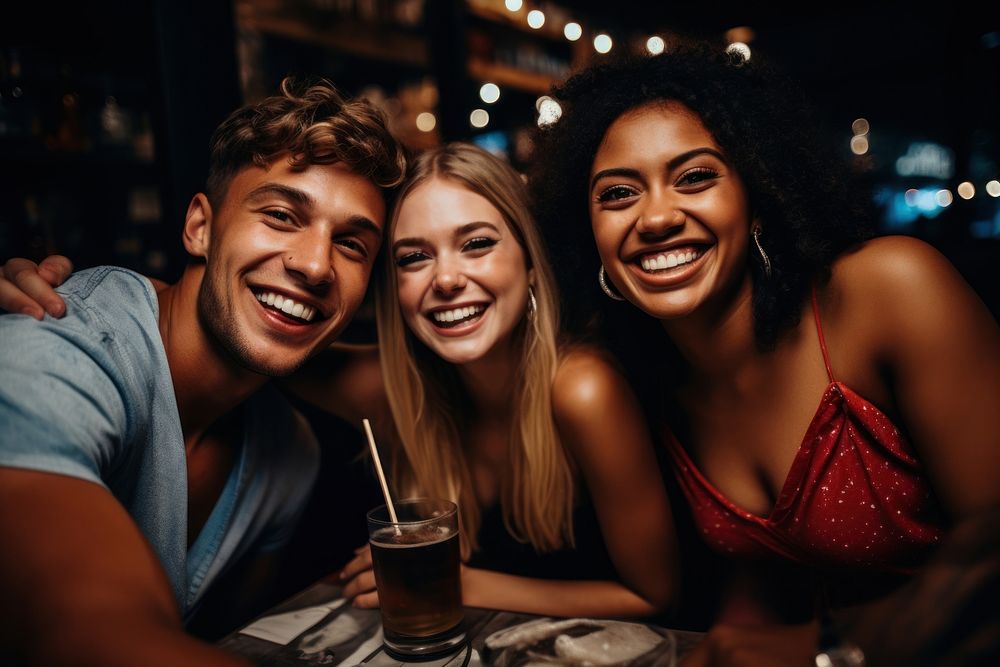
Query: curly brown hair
(313, 124)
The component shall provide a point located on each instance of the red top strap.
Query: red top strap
(822, 340)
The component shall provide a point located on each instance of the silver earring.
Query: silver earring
(602, 280)
(760, 249)
(532, 305)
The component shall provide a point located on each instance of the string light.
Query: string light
(426, 121)
(479, 118)
(573, 31)
(489, 93)
(603, 43)
(739, 48)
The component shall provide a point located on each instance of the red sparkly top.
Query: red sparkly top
(855, 496)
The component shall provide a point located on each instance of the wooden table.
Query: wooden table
(318, 627)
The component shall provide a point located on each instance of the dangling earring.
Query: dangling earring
(760, 249)
(532, 305)
(602, 280)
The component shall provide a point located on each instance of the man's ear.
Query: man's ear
(198, 226)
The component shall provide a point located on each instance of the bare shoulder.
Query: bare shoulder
(899, 288)
(900, 276)
(891, 262)
(587, 379)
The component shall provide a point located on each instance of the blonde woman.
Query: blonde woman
(542, 444)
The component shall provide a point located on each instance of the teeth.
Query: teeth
(287, 306)
(456, 314)
(668, 260)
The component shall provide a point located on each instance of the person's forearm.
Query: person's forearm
(107, 644)
(947, 614)
(551, 597)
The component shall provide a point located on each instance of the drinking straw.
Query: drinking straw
(378, 469)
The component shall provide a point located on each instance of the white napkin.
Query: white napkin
(283, 628)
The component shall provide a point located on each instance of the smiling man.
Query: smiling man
(142, 455)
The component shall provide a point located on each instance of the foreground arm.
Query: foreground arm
(78, 583)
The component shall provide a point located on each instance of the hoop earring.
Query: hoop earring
(760, 249)
(602, 280)
(532, 305)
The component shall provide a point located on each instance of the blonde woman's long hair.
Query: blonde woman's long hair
(429, 404)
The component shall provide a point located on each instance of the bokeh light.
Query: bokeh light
(859, 144)
(603, 43)
(426, 121)
(479, 118)
(655, 45)
(489, 93)
(740, 49)
(573, 31)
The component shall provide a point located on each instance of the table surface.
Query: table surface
(318, 627)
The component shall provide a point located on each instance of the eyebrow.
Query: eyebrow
(293, 195)
(461, 231)
(673, 163)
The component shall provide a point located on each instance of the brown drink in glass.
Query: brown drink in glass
(416, 562)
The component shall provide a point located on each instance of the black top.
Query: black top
(499, 551)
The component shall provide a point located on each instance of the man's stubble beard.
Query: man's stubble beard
(220, 325)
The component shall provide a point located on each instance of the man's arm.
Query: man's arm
(79, 584)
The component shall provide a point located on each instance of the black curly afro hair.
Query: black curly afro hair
(801, 192)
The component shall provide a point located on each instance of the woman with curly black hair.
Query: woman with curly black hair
(715, 213)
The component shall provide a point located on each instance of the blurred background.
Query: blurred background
(106, 107)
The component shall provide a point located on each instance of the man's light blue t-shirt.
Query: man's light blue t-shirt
(90, 396)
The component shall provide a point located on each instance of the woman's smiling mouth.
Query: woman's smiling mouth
(454, 317)
(661, 261)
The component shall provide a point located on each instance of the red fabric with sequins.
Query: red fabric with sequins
(855, 495)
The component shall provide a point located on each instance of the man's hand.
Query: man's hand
(26, 287)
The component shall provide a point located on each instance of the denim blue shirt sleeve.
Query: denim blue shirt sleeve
(90, 396)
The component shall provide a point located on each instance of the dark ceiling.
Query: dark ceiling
(925, 68)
